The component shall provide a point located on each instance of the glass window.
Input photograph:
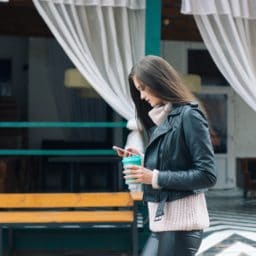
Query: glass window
(201, 63)
(216, 109)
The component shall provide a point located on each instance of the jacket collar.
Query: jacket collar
(176, 109)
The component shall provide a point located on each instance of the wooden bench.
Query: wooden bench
(58, 209)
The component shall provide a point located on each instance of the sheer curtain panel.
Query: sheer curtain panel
(228, 29)
(103, 38)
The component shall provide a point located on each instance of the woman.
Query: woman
(178, 163)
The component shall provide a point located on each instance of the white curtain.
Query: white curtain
(103, 38)
(228, 29)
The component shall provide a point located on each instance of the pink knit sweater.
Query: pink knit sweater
(188, 213)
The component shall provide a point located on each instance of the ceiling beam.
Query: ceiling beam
(20, 18)
(18, 3)
(177, 26)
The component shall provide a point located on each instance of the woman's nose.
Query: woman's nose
(142, 96)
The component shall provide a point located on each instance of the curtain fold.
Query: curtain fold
(103, 38)
(228, 29)
(235, 8)
(131, 4)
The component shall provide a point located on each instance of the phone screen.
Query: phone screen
(118, 148)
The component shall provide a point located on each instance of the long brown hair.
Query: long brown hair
(163, 82)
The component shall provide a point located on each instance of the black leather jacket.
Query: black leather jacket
(181, 149)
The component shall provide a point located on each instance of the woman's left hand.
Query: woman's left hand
(139, 173)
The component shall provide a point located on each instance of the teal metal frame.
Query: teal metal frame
(62, 124)
(153, 27)
(60, 152)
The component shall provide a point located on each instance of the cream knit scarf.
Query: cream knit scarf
(159, 113)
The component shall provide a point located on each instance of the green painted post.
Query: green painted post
(152, 47)
(153, 27)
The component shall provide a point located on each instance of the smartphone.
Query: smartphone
(122, 150)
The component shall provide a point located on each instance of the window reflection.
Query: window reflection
(216, 109)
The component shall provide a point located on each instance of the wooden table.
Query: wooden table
(137, 196)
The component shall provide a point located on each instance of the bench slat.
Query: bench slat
(66, 217)
(59, 200)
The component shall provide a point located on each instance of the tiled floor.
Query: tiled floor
(232, 231)
(233, 226)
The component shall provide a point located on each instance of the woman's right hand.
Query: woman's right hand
(132, 151)
(126, 152)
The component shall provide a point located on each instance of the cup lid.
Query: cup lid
(132, 159)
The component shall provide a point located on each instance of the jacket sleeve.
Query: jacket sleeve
(202, 174)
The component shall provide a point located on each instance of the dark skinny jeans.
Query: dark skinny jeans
(173, 243)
